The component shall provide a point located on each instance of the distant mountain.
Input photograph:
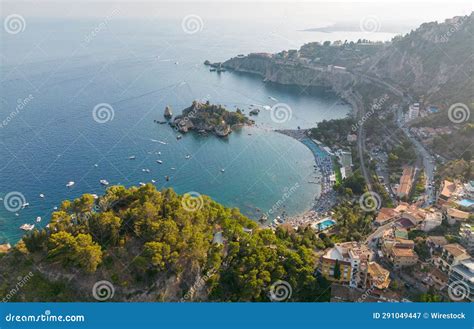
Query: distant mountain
(436, 60)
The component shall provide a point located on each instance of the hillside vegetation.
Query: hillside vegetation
(155, 246)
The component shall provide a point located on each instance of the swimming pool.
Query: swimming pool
(324, 224)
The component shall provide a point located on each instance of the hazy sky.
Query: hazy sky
(307, 14)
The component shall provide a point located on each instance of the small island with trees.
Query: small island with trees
(209, 118)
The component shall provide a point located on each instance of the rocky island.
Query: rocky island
(209, 118)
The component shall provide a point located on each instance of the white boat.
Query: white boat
(104, 182)
(273, 98)
(158, 153)
(157, 141)
(27, 227)
(222, 170)
(159, 161)
(96, 165)
(266, 107)
(38, 219)
(95, 196)
(25, 204)
(55, 208)
(141, 184)
(153, 181)
(70, 184)
(41, 195)
(132, 157)
(173, 168)
(188, 156)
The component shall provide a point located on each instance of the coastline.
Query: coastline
(323, 165)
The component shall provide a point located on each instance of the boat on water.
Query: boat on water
(25, 204)
(167, 178)
(159, 161)
(273, 98)
(27, 227)
(153, 181)
(132, 157)
(168, 112)
(188, 156)
(96, 165)
(141, 184)
(104, 182)
(146, 170)
(70, 184)
(222, 170)
(173, 168)
(267, 107)
(41, 195)
(38, 219)
(179, 137)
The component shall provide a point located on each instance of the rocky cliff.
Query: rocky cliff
(434, 61)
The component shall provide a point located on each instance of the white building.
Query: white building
(413, 111)
(432, 220)
(466, 232)
(462, 275)
(469, 190)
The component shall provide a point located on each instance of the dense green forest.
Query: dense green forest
(154, 245)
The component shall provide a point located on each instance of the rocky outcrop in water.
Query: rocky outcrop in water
(209, 118)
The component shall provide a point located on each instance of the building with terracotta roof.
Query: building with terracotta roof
(402, 257)
(385, 215)
(406, 182)
(377, 276)
(454, 215)
(436, 243)
(452, 254)
(398, 250)
(447, 190)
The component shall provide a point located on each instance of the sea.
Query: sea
(79, 97)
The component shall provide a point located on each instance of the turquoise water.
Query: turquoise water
(139, 68)
(326, 224)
